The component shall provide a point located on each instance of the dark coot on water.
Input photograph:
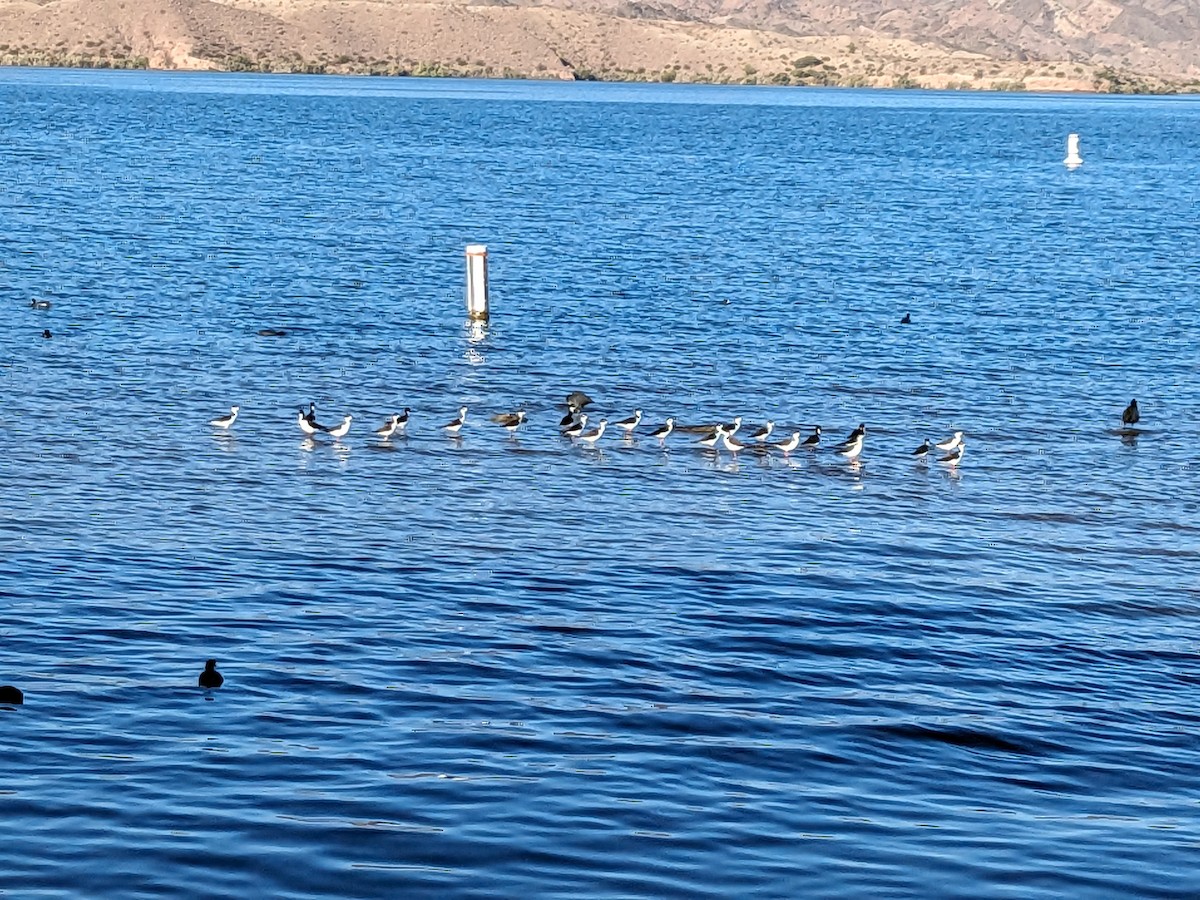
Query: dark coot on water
(210, 677)
(1131, 414)
(10, 694)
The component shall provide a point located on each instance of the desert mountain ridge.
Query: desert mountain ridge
(1106, 45)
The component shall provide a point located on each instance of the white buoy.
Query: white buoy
(477, 282)
(1073, 159)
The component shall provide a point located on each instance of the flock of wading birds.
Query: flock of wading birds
(574, 426)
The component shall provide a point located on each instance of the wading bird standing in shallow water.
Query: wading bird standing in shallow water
(510, 421)
(226, 421)
(763, 433)
(628, 425)
(575, 429)
(340, 431)
(1131, 416)
(951, 442)
(663, 430)
(955, 455)
(304, 423)
(852, 449)
(732, 444)
(590, 437)
(854, 435)
(389, 427)
(454, 426)
(790, 444)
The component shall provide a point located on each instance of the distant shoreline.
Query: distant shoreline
(861, 44)
(1126, 88)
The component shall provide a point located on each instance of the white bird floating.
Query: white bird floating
(1073, 160)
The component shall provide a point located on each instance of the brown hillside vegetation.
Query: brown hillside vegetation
(1026, 44)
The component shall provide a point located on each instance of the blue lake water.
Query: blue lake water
(494, 667)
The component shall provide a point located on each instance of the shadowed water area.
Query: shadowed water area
(502, 666)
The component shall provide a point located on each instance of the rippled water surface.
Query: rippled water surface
(519, 667)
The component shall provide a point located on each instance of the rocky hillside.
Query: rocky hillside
(979, 44)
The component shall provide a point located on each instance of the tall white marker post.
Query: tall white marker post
(1073, 160)
(477, 283)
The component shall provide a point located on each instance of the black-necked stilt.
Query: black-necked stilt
(305, 423)
(226, 421)
(402, 420)
(855, 435)
(39, 304)
(663, 430)
(851, 449)
(1131, 414)
(575, 429)
(511, 421)
(595, 434)
(311, 416)
(628, 425)
(340, 431)
(814, 439)
(710, 440)
(732, 428)
(765, 432)
(790, 444)
(955, 455)
(732, 444)
(389, 427)
(455, 425)
(210, 677)
(951, 442)
(923, 451)
(572, 412)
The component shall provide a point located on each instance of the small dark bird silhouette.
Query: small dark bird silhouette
(1131, 414)
(210, 677)
(907, 320)
(11, 695)
(46, 334)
